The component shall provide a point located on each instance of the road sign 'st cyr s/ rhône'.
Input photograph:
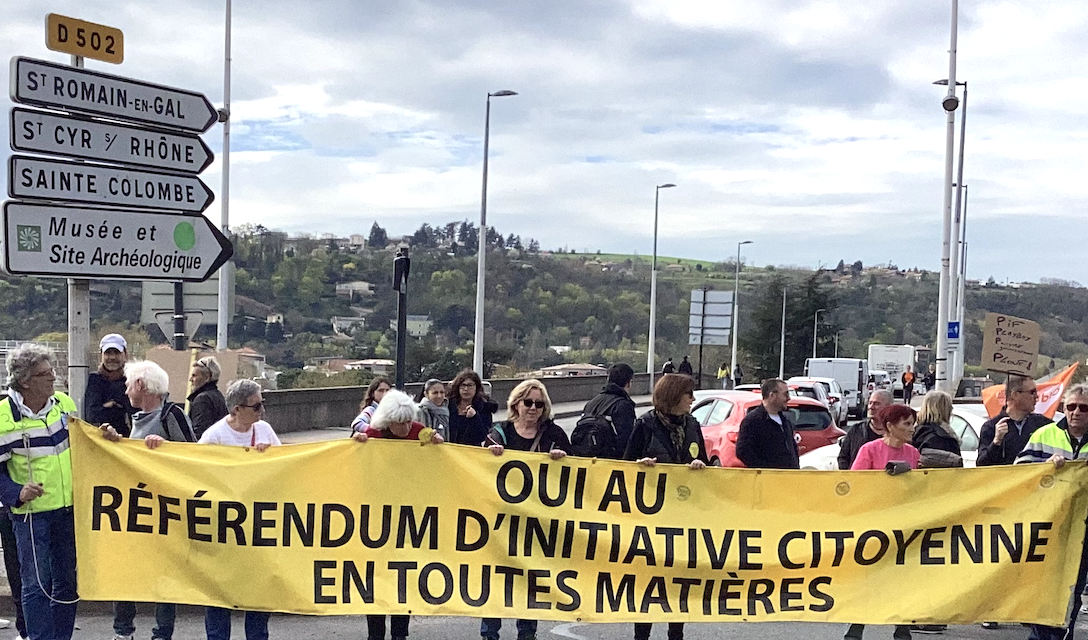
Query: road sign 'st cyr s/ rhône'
(76, 242)
(55, 134)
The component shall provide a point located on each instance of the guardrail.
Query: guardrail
(330, 407)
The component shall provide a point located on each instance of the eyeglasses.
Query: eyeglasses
(1069, 406)
(52, 373)
(255, 407)
(1030, 392)
(529, 404)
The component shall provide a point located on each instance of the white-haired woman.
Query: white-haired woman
(394, 418)
(147, 386)
(528, 427)
(242, 427)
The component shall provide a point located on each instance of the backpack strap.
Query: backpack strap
(186, 434)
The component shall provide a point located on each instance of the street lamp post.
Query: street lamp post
(955, 365)
(653, 290)
(481, 263)
(782, 345)
(815, 329)
(961, 311)
(950, 103)
(736, 295)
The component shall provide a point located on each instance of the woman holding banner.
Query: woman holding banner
(243, 427)
(668, 434)
(528, 427)
(394, 418)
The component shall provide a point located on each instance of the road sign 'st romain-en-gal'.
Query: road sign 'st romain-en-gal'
(46, 84)
(55, 134)
(79, 242)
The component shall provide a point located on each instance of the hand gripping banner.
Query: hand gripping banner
(398, 527)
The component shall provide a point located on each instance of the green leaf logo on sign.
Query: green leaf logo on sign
(28, 237)
(184, 236)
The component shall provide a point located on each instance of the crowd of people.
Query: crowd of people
(131, 400)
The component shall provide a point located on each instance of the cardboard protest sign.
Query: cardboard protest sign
(1010, 344)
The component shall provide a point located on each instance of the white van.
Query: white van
(852, 375)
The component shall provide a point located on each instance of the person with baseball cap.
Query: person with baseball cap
(105, 401)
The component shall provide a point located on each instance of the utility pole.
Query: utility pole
(401, 265)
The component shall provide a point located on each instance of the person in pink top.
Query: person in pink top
(894, 445)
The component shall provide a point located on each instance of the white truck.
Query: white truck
(894, 359)
(852, 375)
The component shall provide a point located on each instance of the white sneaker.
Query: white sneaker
(118, 636)
(4, 623)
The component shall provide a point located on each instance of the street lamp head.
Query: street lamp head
(944, 83)
(744, 242)
(503, 93)
(667, 185)
(950, 103)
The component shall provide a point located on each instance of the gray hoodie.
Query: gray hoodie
(434, 416)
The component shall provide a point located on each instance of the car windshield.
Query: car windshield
(809, 418)
(803, 392)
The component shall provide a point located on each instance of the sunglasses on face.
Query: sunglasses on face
(529, 404)
(1069, 406)
(256, 406)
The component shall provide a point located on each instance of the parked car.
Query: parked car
(720, 415)
(967, 421)
(836, 398)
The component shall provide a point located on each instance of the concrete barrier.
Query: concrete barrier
(331, 407)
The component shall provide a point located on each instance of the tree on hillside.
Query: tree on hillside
(424, 237)
(378, 237)
(761, 332)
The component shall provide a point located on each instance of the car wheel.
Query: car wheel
(715, 462)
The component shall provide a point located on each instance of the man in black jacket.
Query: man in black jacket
(206, 403)
(615, 403)
(766, 439)
(1004, 436)
(865, 431)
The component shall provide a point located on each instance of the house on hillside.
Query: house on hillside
(354, 289)
(572, 371)
(344, 324)
(417, 326)
(377, 366)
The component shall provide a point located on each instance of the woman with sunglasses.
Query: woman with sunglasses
(1055, 443)
(242, 427)
(528, 427)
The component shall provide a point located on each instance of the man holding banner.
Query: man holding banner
(1056, 444)
(1004, 436)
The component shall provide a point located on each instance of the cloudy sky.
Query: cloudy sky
(809, 127)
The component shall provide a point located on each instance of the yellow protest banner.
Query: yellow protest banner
(398, 527)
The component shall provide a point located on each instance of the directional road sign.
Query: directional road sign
(47, 84)
(48, 179)
(55, 134)
(48, 240)
(82, 38)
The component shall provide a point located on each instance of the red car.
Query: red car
(720, 413)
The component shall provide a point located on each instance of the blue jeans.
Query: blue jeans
(124, 619)
(489, 628)
(217, 624)
(47, 558)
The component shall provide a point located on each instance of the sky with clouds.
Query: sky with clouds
(811, 128)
